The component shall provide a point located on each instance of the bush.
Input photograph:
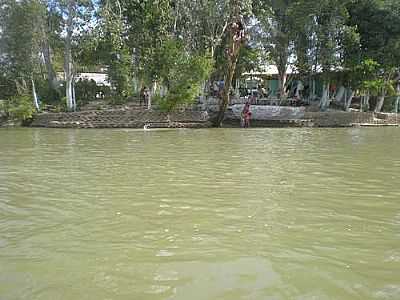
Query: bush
(62, 105)
(7, 87)
(119, 73)
(117, 100)
(20, 107)
(49, 95)
(85, 91)
(182, 74)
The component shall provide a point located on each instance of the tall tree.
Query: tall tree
(378, 23)
(20, 40)
(76, 17)
(321, 27)
(235, 38)
(276, 34)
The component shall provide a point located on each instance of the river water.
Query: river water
(207, 214)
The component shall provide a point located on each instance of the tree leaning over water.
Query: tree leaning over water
(235, 38)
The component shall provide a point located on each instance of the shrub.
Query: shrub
(20, 107)
(183, 75)
(49, 95)
(85, 91)
(117, 100)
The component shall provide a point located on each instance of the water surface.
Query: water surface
(208, 214)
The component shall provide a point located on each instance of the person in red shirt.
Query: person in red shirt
(246, 116)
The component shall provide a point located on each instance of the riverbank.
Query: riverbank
(263, 117)
(122, 118)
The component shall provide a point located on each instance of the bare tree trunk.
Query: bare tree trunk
(349, 99)
(282, 84)
(313, 90)
(366, 102)
(74, 106)
(152, 92)
(21, 86)
(340, 94)
(381, 101)
(224, 102)
(68, 65)
(35, 98)
(397, 99)
(51, 74)
(325, 100)
(235, 42)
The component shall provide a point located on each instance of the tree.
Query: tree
(276, 34)
(378, 24)
(75, 21)
(235, 38)
(181, 73)
(200, 23)
(113, 48)
(318, 40)
(148, 27)
(20, 39)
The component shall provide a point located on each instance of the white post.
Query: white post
(397, 99)
(35, 98)
(73, 95)
(152, 92)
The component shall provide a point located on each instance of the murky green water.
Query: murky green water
(208, 214)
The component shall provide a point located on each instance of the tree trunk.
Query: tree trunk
(366, 102)
(21, 86)
(282, 84)
(325, 100)
(396, 109)
(35, 98)
(68, 66)
(313, 90)
(74, 106)
(349, 99)
(340, 95)
(381, 101)
(51, 74)
(224, 102)
(152, 92)
(234, 43)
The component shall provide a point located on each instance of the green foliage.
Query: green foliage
(7, 87)
(378, 23)
(368, 77)
(85, 91)
(62, 106)
(119, 73)
(150, 24)
(20, 37)
(364, 73)
(249, 60)
(377, 56)
(19, 107)
(182, 74)
(47, 94)
(117, 100)
(3, 108)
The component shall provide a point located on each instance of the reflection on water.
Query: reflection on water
(207, 214)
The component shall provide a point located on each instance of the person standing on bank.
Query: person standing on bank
(246, 116)
(142, 96)
(146, 96)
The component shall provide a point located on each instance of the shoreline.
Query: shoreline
(144, 119)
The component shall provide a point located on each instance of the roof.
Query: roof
(269, 70)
